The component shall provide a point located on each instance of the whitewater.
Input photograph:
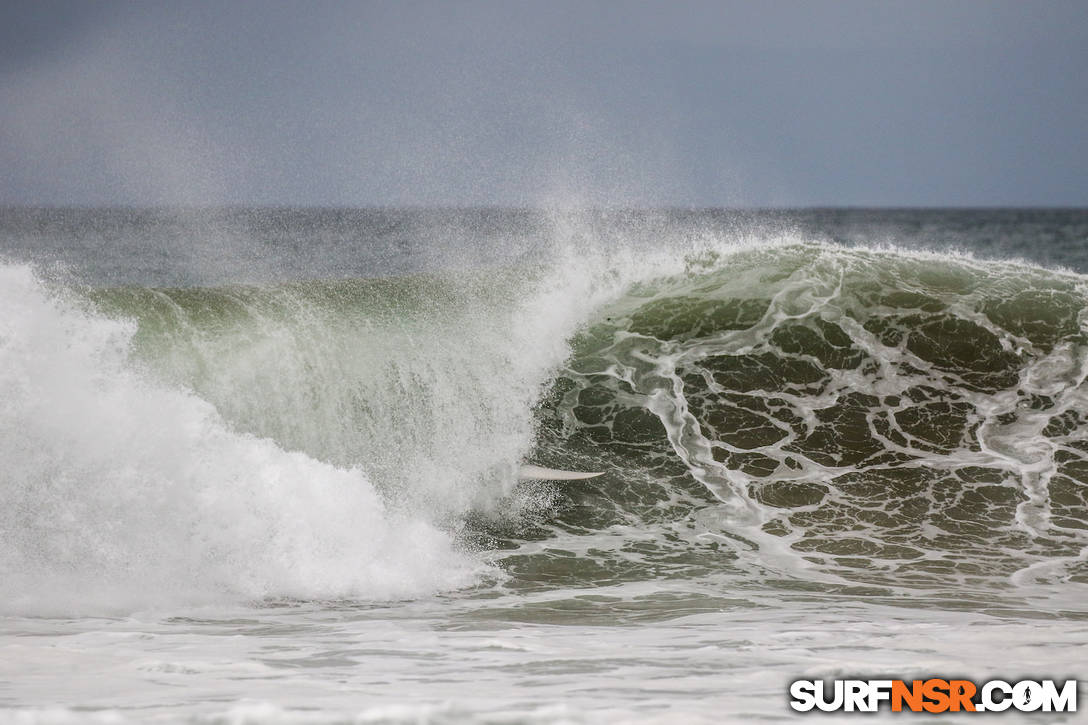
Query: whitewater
(261, 465)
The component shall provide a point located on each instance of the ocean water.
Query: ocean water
(260, 465)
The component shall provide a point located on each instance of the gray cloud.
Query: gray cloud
(891, 103)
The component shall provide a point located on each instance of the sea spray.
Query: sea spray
(118, 490)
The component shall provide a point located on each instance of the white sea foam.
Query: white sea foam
(118, 491)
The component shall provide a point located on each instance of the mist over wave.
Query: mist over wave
(118, 490)
(318, 439)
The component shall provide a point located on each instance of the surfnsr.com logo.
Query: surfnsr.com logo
(933, 695)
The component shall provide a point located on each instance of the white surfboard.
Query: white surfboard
(540, 473)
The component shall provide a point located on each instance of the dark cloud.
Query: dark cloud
(705, 103)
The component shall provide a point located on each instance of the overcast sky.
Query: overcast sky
(760, 103)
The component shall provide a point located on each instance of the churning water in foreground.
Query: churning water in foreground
(260, 466)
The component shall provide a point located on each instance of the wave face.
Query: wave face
(804, 417)
(885, 418)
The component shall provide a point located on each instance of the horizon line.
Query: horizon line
(537, 208)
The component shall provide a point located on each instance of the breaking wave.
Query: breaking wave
(821, 415)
